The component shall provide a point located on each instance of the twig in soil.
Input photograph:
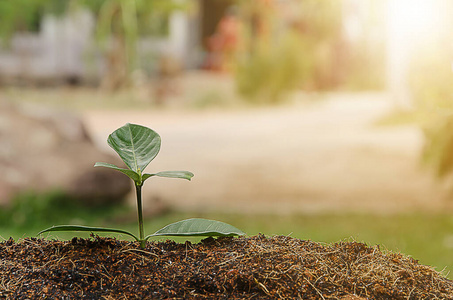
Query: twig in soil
(230, 260)
(317, 291)
(262, 287)
(139, 250)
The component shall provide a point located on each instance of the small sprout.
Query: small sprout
(138, 146)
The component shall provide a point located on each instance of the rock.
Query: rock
(44, 149)
(99, 187)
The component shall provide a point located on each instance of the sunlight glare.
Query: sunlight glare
(412, 19)
(410, 24)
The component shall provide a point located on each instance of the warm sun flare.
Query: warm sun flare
(413, 19)
(411, 25)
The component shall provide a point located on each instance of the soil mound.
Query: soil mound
(256, 267)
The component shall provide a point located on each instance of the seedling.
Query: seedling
(138, 146)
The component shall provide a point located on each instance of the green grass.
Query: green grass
(426, 237)
(30, 212)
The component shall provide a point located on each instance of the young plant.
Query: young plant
(138, 146)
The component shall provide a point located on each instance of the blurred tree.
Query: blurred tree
(19, 15)
(24, 17)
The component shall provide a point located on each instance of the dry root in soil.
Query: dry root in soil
(227, 268)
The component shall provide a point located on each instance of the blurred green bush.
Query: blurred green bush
(308, 51)
(279, 55)
(431, 85)
(274, 70)
(431, 80)
(438, 149)
(30, 210)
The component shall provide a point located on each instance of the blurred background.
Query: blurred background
(320, 119)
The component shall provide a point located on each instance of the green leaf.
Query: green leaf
(197, 227)
(86, 228)
(170, 174)
(132, 175)
(136, 145)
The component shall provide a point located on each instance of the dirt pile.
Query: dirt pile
(256, 267)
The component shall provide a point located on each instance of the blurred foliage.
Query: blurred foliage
(281, 55)
(365, 51)
(365, 68)
(119, 24)
(127, 20)
(26, 15)
(431, 79)
(115, 16)
(270, 72)
(431, 84)
(19, 15)
(310, 49)
(438, 149)
(277, 54)
(32, 210)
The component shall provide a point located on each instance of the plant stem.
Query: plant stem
(138, 189)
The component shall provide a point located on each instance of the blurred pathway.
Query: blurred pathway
(318, 157)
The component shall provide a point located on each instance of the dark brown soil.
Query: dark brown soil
(256, 267)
